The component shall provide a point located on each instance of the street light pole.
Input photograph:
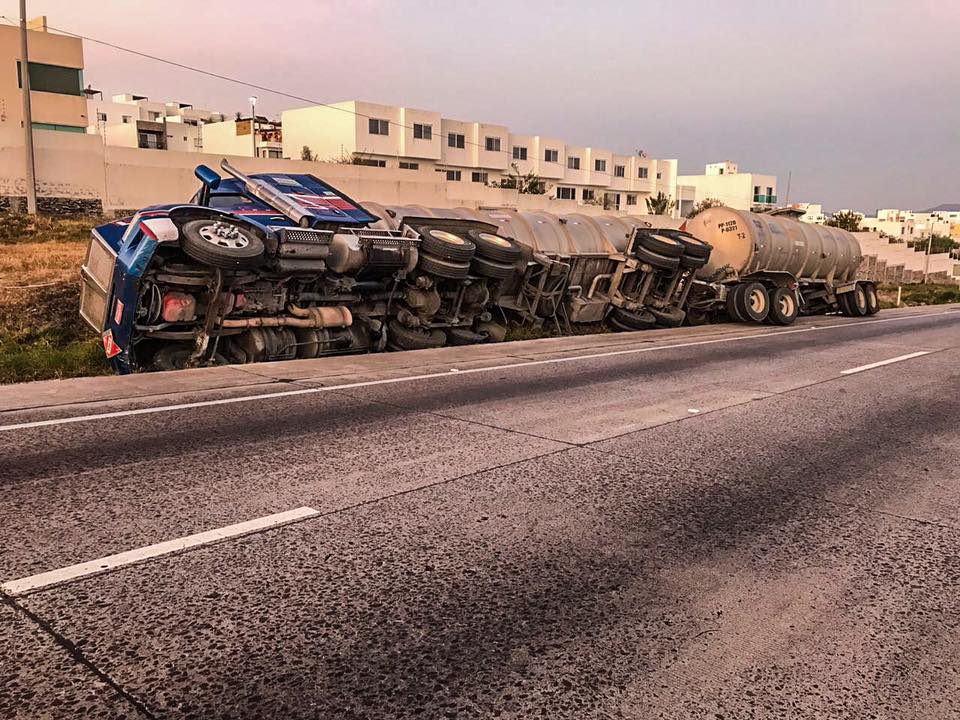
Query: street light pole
(253, 122)
(31, 175)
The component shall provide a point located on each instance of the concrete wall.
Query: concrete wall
(79, 167)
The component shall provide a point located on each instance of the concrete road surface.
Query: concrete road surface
(716, 522)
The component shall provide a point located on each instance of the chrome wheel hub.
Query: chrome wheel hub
(224, 235)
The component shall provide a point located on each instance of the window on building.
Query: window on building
(588, 194)
(127, 119)
(643, 173)
(423, 132)
(370, 162)
(58, 128)
(721, 171)
(153, 116)
(573, 163)
(379, 127)
(454, 175)
(101, 117)
(619, 171)
(275, 153)
(53, 79)
(631, 199)
(455, 140)
(478, 177)
(600, 166)
(756, 189)
(566, 193)
(404, 165)
(519, 152)
(769, 191)
(551, 156)
(659, 176)
(492, 144)
(150, 141)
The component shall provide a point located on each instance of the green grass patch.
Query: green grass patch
(918, 294)
(17, 228)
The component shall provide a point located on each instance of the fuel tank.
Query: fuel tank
(747, 243)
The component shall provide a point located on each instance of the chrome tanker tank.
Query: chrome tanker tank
(749, 243)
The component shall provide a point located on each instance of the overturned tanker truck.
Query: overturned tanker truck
(278, 266)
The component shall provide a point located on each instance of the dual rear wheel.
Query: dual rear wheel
(752, 302)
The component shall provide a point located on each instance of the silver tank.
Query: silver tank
(569, 235)
(749, 243)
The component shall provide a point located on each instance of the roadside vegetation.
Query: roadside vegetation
(41, 333)
(912, 295)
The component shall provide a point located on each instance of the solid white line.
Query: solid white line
(871, 366)
(110, 562)
(428, 376)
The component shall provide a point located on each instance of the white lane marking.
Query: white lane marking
(871, 366)
(428, 376)
(110, 562)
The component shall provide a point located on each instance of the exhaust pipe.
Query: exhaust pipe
(336, 316)
(272, 197)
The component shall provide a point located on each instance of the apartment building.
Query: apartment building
(128, 120)
(468, 151)
(246, 137)
(740, 190)
(812, 213)
(56, 79)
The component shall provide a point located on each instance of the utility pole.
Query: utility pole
(27, 113)
(253, 122)
(926, 259)
(786, 200)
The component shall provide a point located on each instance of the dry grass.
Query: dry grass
(41, 333)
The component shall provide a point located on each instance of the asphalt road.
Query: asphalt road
(713, 523)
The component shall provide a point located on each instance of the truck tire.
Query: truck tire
(222, 244)
(495, 332)
(783, 307)
(443, 268)
(659, 244)
(446, 245)
(660, 262)
(692, 263)
(464, 336)
(629, 320)
(732, 307)
(491, 268)
(853, 303)
(414, 338)
(668, 317)
(752, 302)
(494, 247)
(873, 301)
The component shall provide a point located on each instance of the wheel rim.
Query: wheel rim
(495, 239)
(447, 237)
(224, 235)
(758, 301)
(861, 297)
(787, 306)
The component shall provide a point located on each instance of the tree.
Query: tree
(660, 204)
(703, 205)
(307, 154)
(938, 244)
(239, 116)
(846, 220)
(526, 184)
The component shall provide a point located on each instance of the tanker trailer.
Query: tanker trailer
(773, 267)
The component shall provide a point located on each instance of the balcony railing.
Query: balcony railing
(765, 199)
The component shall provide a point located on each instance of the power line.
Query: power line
(238, 81)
